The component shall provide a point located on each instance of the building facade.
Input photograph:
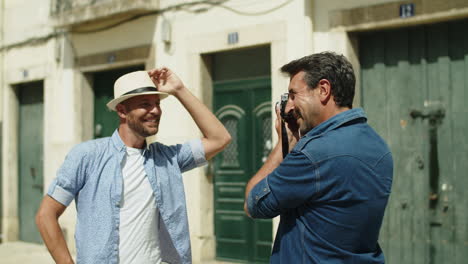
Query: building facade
(59, 59)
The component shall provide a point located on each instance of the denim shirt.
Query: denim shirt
(331, 191)
(91, 174)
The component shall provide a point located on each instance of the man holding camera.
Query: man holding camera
(332, 188)
(129, 195)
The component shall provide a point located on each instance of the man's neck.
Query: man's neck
(331, 111)
(130, 138)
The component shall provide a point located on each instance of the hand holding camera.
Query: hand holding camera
(287, 117)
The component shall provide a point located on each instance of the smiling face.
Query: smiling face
(142, 114)
(304, 103)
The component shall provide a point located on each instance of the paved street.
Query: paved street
(21, 252)
(26, 253)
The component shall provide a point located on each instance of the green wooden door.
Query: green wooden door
(106, 121)
(414, 90)
(31, 182)
(244, 107)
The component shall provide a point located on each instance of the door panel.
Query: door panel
(458, 46)
(244, 107)
(31, 182)
(231, 166)
(261, 114)
(414, 84)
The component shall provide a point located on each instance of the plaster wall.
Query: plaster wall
(25, 60)
(322, 8)
(25, 19)
(130, 34)
(23, 66)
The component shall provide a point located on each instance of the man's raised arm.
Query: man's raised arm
(215, 136)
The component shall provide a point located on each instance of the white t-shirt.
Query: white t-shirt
(139, 216)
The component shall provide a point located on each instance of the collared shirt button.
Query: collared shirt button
(265, 189)
(256, 197)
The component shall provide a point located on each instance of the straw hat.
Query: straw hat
(131, 85)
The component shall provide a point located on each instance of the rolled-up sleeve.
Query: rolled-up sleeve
(261, 203)
(60, 194)
(288, 186)
(70, 177)
(198, 152)
(190, 155)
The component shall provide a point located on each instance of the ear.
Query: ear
(121, 110)
(324, 87)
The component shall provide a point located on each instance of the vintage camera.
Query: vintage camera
(287, 117)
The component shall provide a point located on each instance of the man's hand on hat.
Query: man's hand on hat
(166, 80)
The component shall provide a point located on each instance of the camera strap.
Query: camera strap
(284, 139)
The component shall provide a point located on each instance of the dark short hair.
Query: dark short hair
(327, 65)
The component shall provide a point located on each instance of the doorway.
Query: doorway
(242, 101)
(414, 92)
(30, 165)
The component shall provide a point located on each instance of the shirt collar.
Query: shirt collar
(337, 121)
(120, 145)
(117, 141)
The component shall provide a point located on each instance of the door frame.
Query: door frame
(19, 89)
(246, 85)
(10, 163)
(198, 69)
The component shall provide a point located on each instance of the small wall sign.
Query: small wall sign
(111, 58)
(406, 10)
(233, 38)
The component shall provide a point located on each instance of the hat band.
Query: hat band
(142, 90)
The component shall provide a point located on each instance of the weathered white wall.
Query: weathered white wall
(2, 18)
(2, 67)
(43, 60)
(25, 19)
(298, 28)
(322, 8)
(25, 63)
(131, 34)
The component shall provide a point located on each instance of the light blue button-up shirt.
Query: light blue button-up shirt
(91, 174)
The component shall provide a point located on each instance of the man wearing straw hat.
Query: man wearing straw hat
(129, 196)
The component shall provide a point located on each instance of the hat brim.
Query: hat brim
(113, 103)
